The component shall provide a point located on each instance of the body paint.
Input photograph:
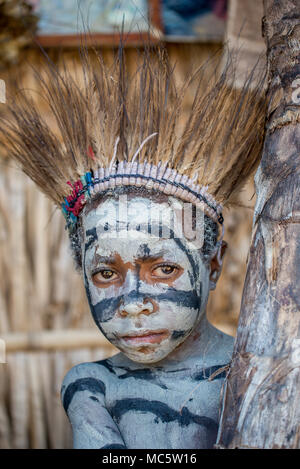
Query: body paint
(178, 304)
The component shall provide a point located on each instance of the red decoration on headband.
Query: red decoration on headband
(77, 206)
(76, 209)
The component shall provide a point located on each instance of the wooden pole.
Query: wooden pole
(261, 400)
(55, 340)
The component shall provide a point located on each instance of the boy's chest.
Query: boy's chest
(165, 412)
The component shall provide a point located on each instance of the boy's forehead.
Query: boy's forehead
(135, 211)
(136, 245)
(143, 250)
(131, 225)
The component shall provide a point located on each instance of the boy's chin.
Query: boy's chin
(147, 357)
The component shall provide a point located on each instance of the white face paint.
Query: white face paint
(146, 293)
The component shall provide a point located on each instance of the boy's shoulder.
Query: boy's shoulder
(102, 370)
(93, 370)
(90, 376)
(93, 377)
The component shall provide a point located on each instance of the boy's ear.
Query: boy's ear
(216, 264)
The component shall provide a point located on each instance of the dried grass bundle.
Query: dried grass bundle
(139, 116)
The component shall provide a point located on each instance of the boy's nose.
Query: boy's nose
(134, 308)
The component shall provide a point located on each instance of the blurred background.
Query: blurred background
(44, 316)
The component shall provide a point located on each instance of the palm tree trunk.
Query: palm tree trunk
(261, 400)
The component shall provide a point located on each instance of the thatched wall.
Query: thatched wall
(44, 316)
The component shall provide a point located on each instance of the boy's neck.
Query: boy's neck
(200, 348)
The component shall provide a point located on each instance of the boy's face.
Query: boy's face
(147, 293)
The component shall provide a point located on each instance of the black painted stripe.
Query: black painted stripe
(92, 385)
(178, 334)
(106, 364)
(113, 446)
(105, 309)
(93, 398)
(92, 235)
(162, 411)
(147, 374)
(144, 374)
(207, 372)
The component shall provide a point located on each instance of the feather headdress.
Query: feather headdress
(121, 129)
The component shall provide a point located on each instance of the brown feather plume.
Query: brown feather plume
(218, 141)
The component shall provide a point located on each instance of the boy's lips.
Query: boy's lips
(149, 337)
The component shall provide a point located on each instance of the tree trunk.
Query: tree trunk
(261, 401)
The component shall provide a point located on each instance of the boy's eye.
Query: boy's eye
(164, 270)
(105, 275)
